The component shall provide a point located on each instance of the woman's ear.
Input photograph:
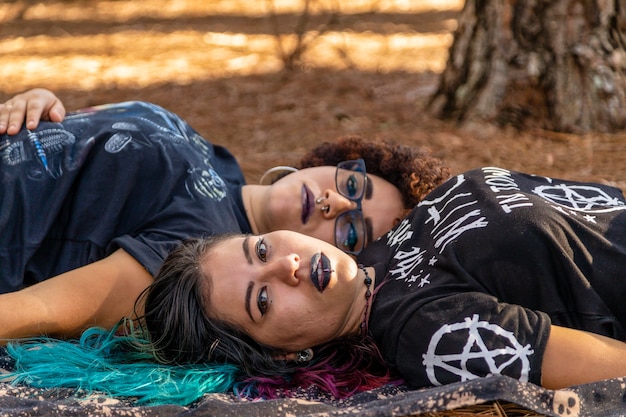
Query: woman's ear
(399, 219)
(305, 355)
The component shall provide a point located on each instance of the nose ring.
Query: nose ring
(326, 208)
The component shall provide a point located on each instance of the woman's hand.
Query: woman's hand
(30, 107)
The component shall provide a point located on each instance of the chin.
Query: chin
(346, 264)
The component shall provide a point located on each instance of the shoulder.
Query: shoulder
(466, 336)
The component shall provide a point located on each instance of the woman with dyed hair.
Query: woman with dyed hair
(494, 272)
(93, 201)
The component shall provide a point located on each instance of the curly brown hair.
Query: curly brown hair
(411, 169)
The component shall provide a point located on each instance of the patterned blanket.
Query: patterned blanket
(605, 398)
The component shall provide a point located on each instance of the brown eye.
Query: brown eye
(261, 250)
(262, 301)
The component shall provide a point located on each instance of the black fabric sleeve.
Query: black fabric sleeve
(471, 335)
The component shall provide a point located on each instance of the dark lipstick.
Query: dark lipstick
(308, 203)
(320, 271)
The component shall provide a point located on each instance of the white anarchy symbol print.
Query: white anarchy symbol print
(507, 353)
(582, 198)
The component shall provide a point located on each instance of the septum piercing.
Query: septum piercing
(326, 208)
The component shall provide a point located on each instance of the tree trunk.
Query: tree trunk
(554, 64)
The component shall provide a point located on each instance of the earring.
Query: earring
(304, 355)
(319, 200)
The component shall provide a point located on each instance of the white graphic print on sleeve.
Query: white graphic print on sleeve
(504, 354)
(585, 198)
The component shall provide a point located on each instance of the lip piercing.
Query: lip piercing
(325, 209)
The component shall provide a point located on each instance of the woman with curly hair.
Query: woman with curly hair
(412, 170)
(93, 201)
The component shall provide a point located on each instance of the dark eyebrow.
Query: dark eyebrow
(246, 250)
(369, 230)
(369, 189)
(248, 295)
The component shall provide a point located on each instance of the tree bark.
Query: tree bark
(553, 64)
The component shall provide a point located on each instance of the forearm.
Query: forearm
(22, 315)
(575, 357)
(99, 294)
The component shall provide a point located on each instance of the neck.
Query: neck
(251, 195)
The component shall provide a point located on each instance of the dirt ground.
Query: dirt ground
(216, 64)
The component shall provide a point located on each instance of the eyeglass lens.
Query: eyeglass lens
(351, 180)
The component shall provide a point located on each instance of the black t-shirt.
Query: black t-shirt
(128, 175)
(479, 270)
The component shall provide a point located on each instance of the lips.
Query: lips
(320, 271)
(308, 204)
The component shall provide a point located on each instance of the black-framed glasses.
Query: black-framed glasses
(351, 182)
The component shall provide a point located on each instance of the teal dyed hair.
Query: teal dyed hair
(114, 365)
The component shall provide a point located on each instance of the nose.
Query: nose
(337, 204)
(283, 269)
